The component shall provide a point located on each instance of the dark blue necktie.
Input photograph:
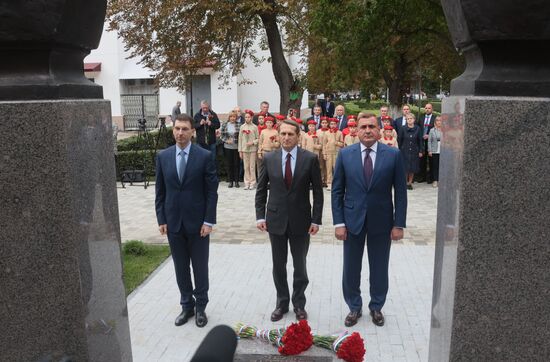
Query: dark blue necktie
(367, 167)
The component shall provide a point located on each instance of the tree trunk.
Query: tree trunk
(281, 70)
(395, 85)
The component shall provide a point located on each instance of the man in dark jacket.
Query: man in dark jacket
(206, 122)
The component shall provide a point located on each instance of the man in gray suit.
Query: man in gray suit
(290, 172)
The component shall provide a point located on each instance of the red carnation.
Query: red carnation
(297, 339)
(352, 349)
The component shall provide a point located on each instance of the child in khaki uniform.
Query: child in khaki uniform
(352, 137)
(321, 134)
(269, 138)
(261, 122)
(310, 140)
(388, 138)
(387, 121)
(248, 148)
(333, 141)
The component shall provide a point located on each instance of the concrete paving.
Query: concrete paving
(241, 286)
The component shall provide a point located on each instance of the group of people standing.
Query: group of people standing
(247, 136)
(366, 161)
(368, 202)
(419, 142)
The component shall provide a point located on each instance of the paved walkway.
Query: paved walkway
(241, 287)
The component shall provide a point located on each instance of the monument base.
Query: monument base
(62, 293)
(491, 280)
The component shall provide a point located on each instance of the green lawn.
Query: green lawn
(138, 267)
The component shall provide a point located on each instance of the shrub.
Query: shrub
(134, 247)
(152, 139)
(136, 160)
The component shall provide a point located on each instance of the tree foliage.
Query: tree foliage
(179, 38)
(363, 44)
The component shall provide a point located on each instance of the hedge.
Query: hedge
(145, 159)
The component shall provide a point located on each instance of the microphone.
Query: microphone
(219, 345)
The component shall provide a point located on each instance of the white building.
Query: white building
(130, 86)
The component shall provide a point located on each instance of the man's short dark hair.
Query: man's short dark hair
(265, 102)
(366, 116)
(292, 123)
(183, 117)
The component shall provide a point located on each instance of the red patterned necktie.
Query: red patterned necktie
(288, 172)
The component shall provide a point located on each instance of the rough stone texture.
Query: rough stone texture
(491, 280)
(60, 270)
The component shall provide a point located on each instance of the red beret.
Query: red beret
(280, 117)
(324, 118)
(388, 128)
(268, 119)
(351, 116)
(298, 120)
(333, 120)
(386, 117)
(249, 111)
(312, 122)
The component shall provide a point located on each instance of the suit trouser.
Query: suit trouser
(249, 160)
(212, 149)
(425, 165)
(378, 250)
(299, 246)
(193, 248)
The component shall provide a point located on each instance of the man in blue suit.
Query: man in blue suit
(362, 206)
(185, 202)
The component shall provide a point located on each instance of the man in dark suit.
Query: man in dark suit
(401, 121)
(364, 176)
(426, 123)
(289, 172)
(185, 202)
(317, 115)
(264, 109)
(328, 107)
(341, 117)
(383, 113)
(206, 122)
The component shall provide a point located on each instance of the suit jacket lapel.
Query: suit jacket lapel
(190, 162)
(278, 172)
(358, 160)
(173, 162)
(380, 154)
(297, 166)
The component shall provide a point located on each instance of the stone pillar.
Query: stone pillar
(61, 291)
(491, 299)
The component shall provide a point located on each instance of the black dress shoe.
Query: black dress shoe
(200, 319)
(278, 314)
(377, 317)
(184, 317)
(300, 313)
(230, 184)
(237, 185)
(352, 318)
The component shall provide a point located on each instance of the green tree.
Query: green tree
(178, 38)
(379, 42)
